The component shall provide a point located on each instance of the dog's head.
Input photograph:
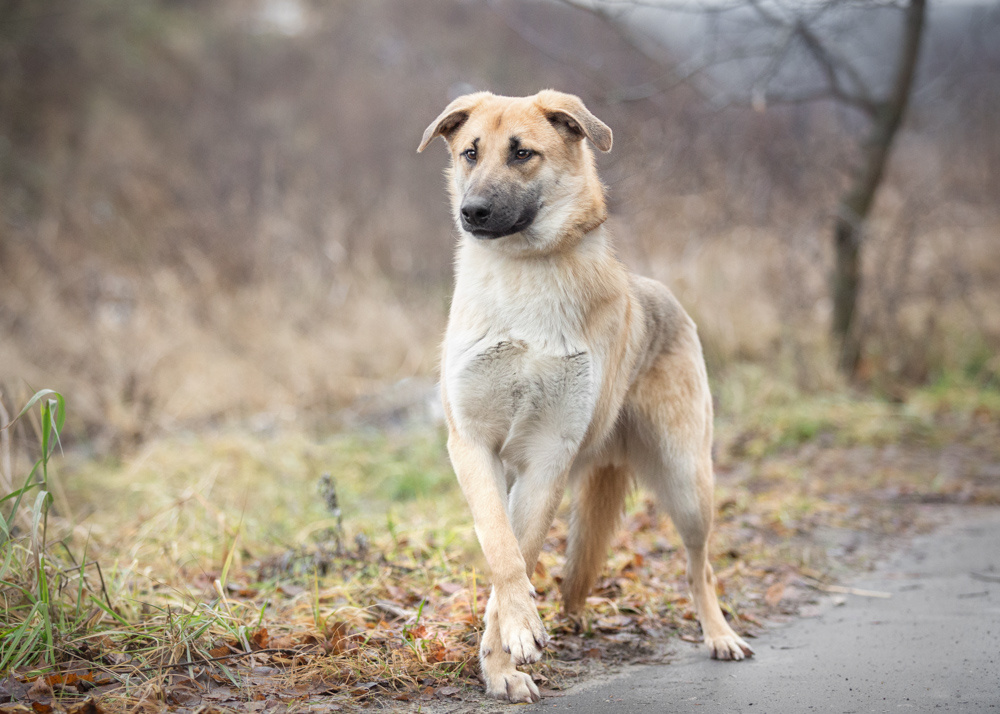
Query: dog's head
(521, 170)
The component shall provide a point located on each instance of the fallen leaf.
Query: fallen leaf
(449, 588)
(241, 590)
(260, 638)
(774, 594)
(393, 610)
(221, 694)
(40, 688)
(613, 622)
(436, 651)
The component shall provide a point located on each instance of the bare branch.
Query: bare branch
(829, 66)
(680, 6)
(545, 47)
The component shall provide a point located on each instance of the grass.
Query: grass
(228, 566)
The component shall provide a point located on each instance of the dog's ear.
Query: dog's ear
(573, 120)
(454, 115)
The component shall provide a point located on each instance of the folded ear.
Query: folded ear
(454, 115)
(573, 120)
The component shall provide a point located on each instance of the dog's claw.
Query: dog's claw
(519, 687)
(513, 686)
(730, 648)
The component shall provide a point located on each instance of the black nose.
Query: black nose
(476, 211)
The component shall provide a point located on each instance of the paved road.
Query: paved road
(934, 645)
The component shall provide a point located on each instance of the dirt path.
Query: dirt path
(930, 645)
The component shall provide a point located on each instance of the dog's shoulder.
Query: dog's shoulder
(667, 325)
(665, 319)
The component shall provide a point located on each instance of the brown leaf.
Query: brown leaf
(613, 622)
(435, 651)
(182, 696)
(284, 642)
(260, 638)
(339, 637)
(241, 590)
(449, 588)
(364, 689)
(40, 688)
(447, 691)
(774, 594)
(221, 694)
(592, 653)
(393, 610)
(220, 651)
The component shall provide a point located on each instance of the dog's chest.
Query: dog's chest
(520, 396)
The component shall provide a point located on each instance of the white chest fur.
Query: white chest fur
(520, 373)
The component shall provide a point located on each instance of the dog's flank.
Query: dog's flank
(560, 368)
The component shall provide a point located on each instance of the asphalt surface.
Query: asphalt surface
(932, 645)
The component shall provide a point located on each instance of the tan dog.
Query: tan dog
(560, 367)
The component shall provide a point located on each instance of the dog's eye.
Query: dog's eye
(470, 154)
(523, 154)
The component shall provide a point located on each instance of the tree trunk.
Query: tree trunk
(855, 205)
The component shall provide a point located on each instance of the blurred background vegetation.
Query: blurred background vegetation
(212, 211)
(218, 243)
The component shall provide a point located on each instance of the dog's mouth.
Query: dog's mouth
(492, 232)
(519, 225)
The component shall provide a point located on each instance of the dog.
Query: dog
(561, 369)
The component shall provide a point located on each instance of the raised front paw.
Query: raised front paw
(522, 634)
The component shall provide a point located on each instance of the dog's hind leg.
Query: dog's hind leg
(686, 493)
(598, 502)
(673, 455)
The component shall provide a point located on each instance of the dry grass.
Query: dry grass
(227, 577)
(282, 250)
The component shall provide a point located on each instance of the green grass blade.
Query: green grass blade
(109, 611)
(10, 645)
(224, 576)
(39, 395)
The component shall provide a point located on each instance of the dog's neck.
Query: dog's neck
(584, 273)
(575, 246)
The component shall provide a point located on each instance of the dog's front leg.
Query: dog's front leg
(514, 633)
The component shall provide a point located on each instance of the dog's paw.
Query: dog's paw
(729, 646)
(522, 634)
(512, 686)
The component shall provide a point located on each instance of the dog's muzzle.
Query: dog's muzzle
(487, 218)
